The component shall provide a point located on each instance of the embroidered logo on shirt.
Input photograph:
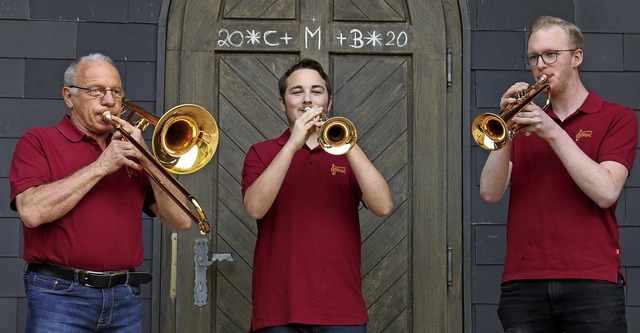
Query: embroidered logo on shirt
(335, 169)
(583, 134)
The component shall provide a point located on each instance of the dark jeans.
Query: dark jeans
(299, 328)
(556, 306)
(56, 305)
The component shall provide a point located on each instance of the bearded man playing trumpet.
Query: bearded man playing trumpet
(562, 266)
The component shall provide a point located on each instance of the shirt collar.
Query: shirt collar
(70, 131)
(282, 140)
(592, 104)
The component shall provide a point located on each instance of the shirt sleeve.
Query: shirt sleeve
(621, 142)
(29, 166)
(253, 167)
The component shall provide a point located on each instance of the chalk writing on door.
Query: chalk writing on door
(313, 38)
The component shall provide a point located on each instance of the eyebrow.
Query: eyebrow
(312, 87)
(548, 50)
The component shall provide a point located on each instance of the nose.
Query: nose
(108, 98)
(307, 97)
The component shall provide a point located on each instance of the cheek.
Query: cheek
(293, 103)
(320, 101)
(292, 100)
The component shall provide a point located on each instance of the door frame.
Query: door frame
(440, 239)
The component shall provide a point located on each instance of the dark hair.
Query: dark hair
(305, 63)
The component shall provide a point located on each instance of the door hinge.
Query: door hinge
(173, 290)
(449, 266)
(449, 68)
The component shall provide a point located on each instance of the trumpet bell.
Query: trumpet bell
(337, 135)
(489, 131)
(185, 139)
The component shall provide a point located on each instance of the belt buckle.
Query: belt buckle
(86, 275)
(111, 275)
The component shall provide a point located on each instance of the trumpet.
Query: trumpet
(337, 135)
(184, 140)
(491, 132)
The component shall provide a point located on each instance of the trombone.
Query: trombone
(184, 140)
(337, 135)
(491, 132)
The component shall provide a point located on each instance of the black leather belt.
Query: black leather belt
(90, 278)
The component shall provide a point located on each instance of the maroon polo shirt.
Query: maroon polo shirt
(554, 230)
(104, 230)
(306, 266)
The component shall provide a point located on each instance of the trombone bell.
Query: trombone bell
(185, 139)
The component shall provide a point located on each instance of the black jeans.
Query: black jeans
(557, 306)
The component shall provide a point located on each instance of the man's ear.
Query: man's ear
(329, 104)
(66, 94)
(282, 106)
(577, 57)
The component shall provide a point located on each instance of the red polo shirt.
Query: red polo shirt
(104, 231)
(306, 266)
(554, 230)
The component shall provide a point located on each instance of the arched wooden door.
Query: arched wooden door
(389, 68)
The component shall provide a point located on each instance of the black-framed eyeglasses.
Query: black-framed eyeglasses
(548, 57)
(100, 91)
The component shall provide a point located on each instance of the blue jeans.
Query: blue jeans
(56, 305)
(300, 328)
(571, 306)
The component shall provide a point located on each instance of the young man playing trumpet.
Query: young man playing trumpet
(306, 269)
(562, 267)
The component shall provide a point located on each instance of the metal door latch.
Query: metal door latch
(200, 257)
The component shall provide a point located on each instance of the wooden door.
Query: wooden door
(388, 64)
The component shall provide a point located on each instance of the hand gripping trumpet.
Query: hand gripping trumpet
(337, 135)
(491, 131)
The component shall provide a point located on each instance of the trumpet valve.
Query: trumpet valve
(320, 117)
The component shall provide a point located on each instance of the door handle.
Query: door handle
(201, 259)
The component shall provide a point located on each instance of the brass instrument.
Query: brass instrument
(491, 131)
(337, 135)
(184, 140)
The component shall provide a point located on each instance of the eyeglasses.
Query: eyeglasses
(548, 57)
(100, 91)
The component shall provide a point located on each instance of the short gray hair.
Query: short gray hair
(70, 73)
